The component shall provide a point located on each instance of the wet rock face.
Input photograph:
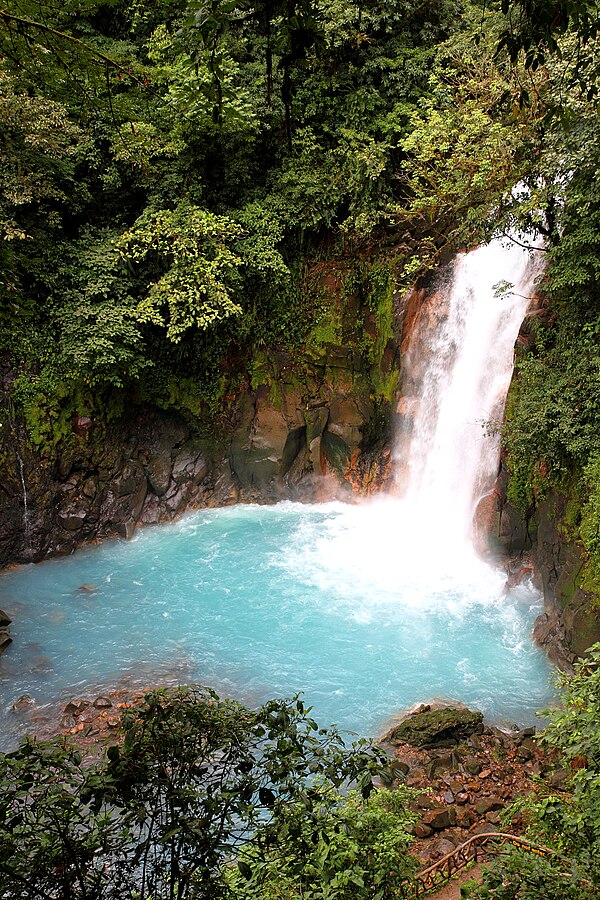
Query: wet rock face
(5, 638)
(302, 445)
(539, 547)
(280, 440)
(571, 621)
(499, 527)
(145, 470)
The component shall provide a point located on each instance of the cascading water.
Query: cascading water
(366, 608)
(26, 519)
(458, 369)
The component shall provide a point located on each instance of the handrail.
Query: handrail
(445, 868)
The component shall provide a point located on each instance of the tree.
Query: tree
(536, 29)
(198, 785)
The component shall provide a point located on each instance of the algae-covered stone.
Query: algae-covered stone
(435, 727)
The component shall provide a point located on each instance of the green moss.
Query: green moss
(590, 529)
(380, 299)
(385, 387)
(48, 407)
(327, 324)
(568, 588)
(436, 727)
(260, 371)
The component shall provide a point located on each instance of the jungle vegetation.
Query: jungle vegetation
(169, 172)
(205, 798)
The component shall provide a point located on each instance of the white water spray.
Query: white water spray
(458, 368)
(26, 516)
(414, 550)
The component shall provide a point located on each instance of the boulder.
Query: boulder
(485, 828)
(465, 817)
(158, 473)
(336, 452)
(5, 639)
(442, 847)
(443, 727)
(102, 703)
(488, 804)
(473, 766)
(190, 464)
(257, 446)
(295, 445)
(90, 487)
(72, 519)
(423, 801)
(447, 762)
(346, 420)
(316, 420)
(23, 702)
(128, 480)
(5, 619)
(438, 819)
(126, 530)
(76, 707)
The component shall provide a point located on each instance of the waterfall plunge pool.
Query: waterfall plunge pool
(347, 603)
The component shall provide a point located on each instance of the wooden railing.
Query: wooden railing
(477, 848)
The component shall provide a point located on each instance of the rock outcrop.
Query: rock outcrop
(444, 726)
(465, 790)
(303, 429)
(5, 638)
(571, 621)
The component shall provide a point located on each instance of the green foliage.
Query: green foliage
(178, 167)
(569, 820)
(198, 785)
(522, 876)
(190, 250)
(349, 847)
(535, 29)
(37, 144)
(589, 528)
(574, 732)
(552, 416)
(552, 430)
(466, 147)
(95, 315)
(176, 170)
(56, 833)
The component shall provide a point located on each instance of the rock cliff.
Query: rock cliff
(307, 426)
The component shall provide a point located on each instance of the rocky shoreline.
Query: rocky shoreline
(466, 774)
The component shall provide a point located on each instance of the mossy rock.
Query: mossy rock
(435, 728)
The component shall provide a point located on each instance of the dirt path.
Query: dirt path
(451, 890)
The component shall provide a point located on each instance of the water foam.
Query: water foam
(458, 368)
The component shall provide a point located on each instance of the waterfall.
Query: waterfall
(414, 546)
(26, 517)
(457, 371)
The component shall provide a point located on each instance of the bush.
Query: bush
(567, 820)
(197, 787)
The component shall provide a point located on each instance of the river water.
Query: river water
(366, 608)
